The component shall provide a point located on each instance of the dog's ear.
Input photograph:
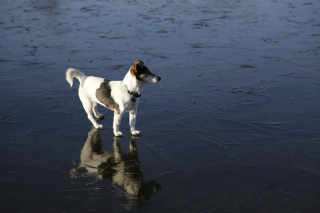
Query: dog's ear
(138, 62)
(134, 68)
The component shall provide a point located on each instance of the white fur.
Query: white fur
(119, 92)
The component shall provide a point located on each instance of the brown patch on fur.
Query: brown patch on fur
(103, 94)
(135, 68)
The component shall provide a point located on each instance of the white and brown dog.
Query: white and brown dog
(119, 96)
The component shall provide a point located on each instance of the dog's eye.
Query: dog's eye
(142, 75)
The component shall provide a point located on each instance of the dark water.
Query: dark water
(232, 127)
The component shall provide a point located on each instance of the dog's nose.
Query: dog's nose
(158, 78)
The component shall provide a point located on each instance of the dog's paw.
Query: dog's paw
(100, 127)
(118, 134)
(100, 117)
(136, 133)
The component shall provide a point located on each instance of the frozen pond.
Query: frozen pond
(233, 126)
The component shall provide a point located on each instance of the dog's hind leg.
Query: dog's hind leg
(95, 111)
(88, 106)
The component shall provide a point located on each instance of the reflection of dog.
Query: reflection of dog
(121, 168)
(119, 96)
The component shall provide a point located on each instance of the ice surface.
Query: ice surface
(233, 126)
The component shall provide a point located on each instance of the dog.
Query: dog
(119, 96)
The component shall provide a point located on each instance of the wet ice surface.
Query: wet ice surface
(232, 127)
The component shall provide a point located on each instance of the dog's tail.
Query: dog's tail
(71, 73)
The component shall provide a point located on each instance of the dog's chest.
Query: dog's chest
(129, 104)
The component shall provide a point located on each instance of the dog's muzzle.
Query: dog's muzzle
(156, 79)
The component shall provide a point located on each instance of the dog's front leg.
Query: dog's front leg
(132, 122)
(116, 123)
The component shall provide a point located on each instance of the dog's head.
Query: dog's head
(142, 73)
